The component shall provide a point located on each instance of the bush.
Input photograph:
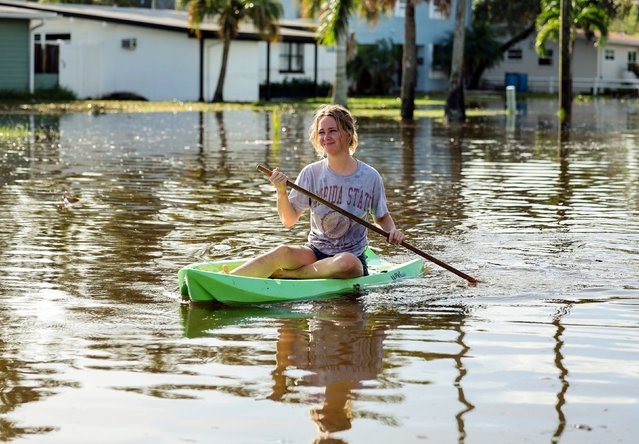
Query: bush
(124, 95)
(296, 89)
(55, 94)
(376, 69)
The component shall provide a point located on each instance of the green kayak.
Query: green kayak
(204, 282)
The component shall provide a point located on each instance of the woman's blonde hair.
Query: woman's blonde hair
(346, 123)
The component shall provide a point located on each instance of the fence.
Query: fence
(589, 85)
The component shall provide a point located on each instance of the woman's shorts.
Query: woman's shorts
(319, 255)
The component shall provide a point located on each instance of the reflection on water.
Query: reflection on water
(545, 349)
(345, 363)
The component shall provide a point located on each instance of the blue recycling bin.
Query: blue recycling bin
(523, 82)
(518, 80)
(511, 79)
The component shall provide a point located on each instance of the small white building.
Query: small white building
(594, 70)
(96, 51)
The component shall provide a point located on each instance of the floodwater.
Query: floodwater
(97, 346)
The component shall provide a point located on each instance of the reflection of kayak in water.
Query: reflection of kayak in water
(205, 282)
(205, 320)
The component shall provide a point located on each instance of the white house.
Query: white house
(152, 53)
(594, 70)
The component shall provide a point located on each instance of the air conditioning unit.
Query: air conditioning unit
(129, 43)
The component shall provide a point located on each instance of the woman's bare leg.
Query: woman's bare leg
(340, 266)
(283, 257)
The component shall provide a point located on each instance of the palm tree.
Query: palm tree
(334, 17)
(409, 56)
(332, 30)
(590, 16)
(455, 107)
(229, 14)
(409, 62)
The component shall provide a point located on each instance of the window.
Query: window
(292, 57)
(547, 59)
(440, 9)
(400, 8)
(609, 54)
(632, 60)
(46, 53)
(515, 54)
(439, 61)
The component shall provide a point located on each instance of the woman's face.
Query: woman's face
(330, 138)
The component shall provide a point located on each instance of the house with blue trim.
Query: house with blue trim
(16, 47)
(435, 22)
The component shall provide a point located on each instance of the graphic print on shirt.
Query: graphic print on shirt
(360, 193)
(335, 225)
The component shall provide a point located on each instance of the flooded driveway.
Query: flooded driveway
(96, 344)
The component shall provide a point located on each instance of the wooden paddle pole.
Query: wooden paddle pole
(372, 227)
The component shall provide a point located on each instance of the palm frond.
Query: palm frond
(264, 15)
(550, 31)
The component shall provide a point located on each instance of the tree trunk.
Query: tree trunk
(340, 82)
(409, 62)
(455, 108)
(219, 91)
(565, 86)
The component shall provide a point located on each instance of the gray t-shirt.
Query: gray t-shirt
(360, 193)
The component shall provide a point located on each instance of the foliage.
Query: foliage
(123, 95)
(481, 47)
(590, 16)
(130, 3)
(506, 16)
(374, 68)
(230, 13)
(296, 88)
(333, 25)
(263, 14)
(333, 15)
(627, 18)
(57, 93)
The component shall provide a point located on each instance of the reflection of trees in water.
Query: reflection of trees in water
(224, 143)
(461, 396)
(429, 177)
(563, 372)
(407, 137)
(565, 190)
(449, 319)
(16, 390)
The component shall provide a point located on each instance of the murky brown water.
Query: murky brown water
(96, 345)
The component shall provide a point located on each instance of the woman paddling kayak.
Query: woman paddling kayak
(336, 244)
